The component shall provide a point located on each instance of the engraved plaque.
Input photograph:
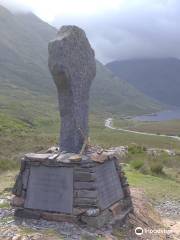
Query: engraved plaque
(108, 184)
(50, 189)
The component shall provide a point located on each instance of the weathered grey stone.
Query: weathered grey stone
(85, 185)
(75, 158)
(59, 217)
(27, 213)
(53, 150)
(84, 176)
(25, 178)
(23, 165)
(80, 169)
(73, 67)
(85, 202)
(92, 212)
(126, 191)
(117, 208)
(64, 157)
(17, 202)
(37, 156)
(78, 211)
(85, 194)
(108, 185)
(50, 189)
(18, 186)
(97, 221)
(53, 156)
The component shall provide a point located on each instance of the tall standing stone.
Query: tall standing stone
(73, 67)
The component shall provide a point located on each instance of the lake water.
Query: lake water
(161, 116)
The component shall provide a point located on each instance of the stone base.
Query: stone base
(103, 218)
(98, 221)
(90, 189)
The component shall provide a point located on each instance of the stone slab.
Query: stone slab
(59, 217)
(84, 176)
(37, 156)
(18, 186)
(79, 202)
(17, 202)
(85, 185)
(117, 208)
(108, 185)
(26, 213)
(25, 178)
(85, 194)
(50, 189)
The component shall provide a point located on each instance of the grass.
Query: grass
(171, 127)
(49, 233)
(22, 138)
(108, 138)
(162, 164)
(7, 179)
(156, 188)
(137, 164)
(4, 205)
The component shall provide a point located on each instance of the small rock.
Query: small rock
(52, 150)
(93, 212)
(99, 157)
(17, 237)
(17, 201)
(53, 156)
(75, 158)
(64, 157)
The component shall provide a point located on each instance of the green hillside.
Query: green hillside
(27, 91)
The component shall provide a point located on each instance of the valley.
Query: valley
(30, 122)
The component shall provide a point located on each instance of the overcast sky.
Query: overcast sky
(117, 29)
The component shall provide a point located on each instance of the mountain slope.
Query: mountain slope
(117, 96)
(157, 78)
(26, 87)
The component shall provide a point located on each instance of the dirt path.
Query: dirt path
(109, 124)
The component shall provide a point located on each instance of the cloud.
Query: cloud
(137, 29)
(117, 29)
(17, 5)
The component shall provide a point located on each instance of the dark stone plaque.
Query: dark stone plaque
(108, 185)
(25, 178)
(50, 189)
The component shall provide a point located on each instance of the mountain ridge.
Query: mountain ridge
(158, 78)
(27, 90)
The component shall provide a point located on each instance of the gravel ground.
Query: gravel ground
(170, 213)
(169, 209)
(12, 229)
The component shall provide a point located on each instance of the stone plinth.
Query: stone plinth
(90, 188)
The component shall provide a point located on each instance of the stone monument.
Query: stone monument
(73, 182)
(73, 67)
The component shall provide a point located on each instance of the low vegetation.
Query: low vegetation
(153, 173)
(156, 187)
(171, 127)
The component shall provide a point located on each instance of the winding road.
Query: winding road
(109, 124)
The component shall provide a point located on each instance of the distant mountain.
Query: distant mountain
(26, 87)
(157, 78)
(118, 96)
